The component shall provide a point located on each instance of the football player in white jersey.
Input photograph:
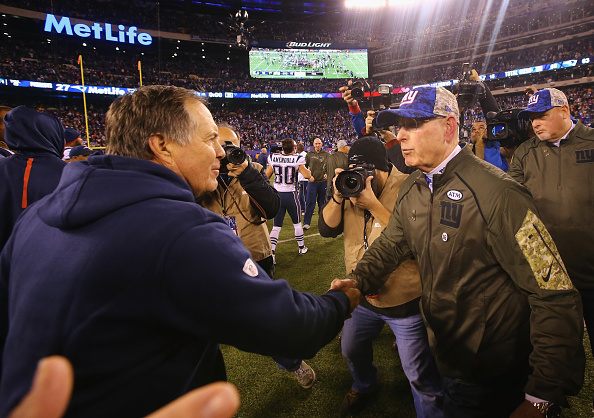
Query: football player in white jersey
(285, 167)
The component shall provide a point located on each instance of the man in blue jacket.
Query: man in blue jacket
(158, 281)
(35, 169)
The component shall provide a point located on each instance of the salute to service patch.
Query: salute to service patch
(541, 252)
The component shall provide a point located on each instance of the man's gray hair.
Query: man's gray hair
(133, 118)
(231, 127)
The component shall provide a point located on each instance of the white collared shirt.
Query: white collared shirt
(439, 169)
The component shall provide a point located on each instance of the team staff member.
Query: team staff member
(557, 166)
(34, 170)
(338, 159)
(505, 328)
(158, 282)
(315, 160)
(361, 219)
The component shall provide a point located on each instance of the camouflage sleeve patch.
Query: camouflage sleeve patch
(542, 255)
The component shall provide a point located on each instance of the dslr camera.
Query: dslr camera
(351, 182)
(359, 87)
(469, 91)
(505, 127)
(233, 155)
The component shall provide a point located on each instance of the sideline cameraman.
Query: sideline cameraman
(245, 199)
(490, 151)
(362, 126)
(361, 219)
(557, 166)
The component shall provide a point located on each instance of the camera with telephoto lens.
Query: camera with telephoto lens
(505, 127)
(469, 91)
(359, 87)
(233, 155)
(351, 182)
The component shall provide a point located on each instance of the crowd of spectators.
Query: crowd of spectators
(271, 123)
(444, 28)
(105, 68)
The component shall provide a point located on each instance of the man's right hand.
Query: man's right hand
(349, 287)
(346, 96)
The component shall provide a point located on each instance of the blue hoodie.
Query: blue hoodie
(156, 283)
(35, 169)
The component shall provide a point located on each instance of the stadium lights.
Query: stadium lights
(375, 4)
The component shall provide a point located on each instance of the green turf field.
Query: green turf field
(302, 63)
(267, 391)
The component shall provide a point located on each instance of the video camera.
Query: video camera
(469, 91)
(233, 155)
(505, 127)
(351, 182)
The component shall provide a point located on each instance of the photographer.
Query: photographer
(245, 199)
(363, 125)
(361, 219)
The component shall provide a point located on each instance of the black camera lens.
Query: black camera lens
(236, 155)
(350, 183)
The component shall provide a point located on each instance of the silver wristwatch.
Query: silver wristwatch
(548, 409)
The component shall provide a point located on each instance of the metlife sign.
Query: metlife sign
(97, 30)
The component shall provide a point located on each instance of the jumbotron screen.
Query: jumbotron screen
(308, 63)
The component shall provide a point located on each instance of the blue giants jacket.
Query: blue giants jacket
(157, 283)
(35, 169)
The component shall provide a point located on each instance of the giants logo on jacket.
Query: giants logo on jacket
(584, 156)
(451, 213)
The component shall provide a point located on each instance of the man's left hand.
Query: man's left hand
(526, 410)
(236, 169)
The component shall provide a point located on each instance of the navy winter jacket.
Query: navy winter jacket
(156, 283)
(35, 169)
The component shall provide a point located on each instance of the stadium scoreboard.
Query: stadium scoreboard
(308, 63)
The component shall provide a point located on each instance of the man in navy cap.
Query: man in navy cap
(503, 317)
(72, 139)
(35, 169)
(557, 166)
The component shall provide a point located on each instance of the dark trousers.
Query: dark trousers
(497, 399)
(267, 265)
(302, 193)
(316, 192)
(588, 303)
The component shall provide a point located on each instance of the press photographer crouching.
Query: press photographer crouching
(360, 207)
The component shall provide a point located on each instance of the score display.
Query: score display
(308, 63)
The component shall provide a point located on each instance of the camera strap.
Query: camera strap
(367, 217)
(235, 203)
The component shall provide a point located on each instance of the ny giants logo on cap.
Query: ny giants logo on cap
(409, 97)
(533, 100)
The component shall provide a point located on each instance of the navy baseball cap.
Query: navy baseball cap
(70, 135)
(421, 102)
(543, 100)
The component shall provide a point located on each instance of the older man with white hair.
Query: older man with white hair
(503, 317)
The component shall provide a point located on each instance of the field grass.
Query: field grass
(263, 61)
(267, 391)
